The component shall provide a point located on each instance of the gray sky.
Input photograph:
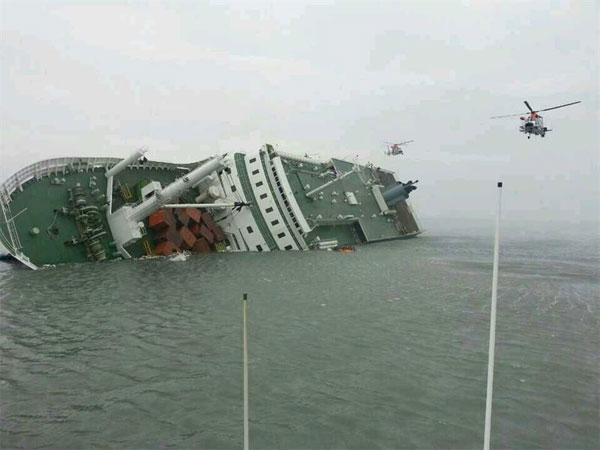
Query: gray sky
(332, 78)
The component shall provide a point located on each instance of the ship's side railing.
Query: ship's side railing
(12, 242)
(47, 168)
(57, 166)
(50, 167)
(300, 159)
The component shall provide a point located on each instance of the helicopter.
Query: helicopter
(394, 149)
(533, 123)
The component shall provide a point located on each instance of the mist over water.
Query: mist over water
(385, 347)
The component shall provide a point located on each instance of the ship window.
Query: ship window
(288, 247)
(263, 196)
(269, 210)
(275, 222)
(259, 184)
(281, 235)
(252, 160)
(259, 248)
(254, 172)
(249, 229)
(233, 188)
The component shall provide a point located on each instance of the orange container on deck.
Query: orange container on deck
(205, 232)
(194, 214)
(187, 238)
(215, 229)
(182, 218)
(169, 235)
(208, 220)
(202, 246)
(160, 220)
(165, 248)
(195, 229)
(219, 233)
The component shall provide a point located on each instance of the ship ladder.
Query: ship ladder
(147, 248)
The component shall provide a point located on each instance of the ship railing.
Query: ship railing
(12, 242)
(58, 166)
(300, 159)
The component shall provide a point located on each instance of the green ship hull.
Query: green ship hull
(69, 210)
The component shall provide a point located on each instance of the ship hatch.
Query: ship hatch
(360, 234)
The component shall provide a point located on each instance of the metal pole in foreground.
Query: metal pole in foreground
(245, 346)
(490, 377)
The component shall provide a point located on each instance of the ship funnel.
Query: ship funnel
(399, 192)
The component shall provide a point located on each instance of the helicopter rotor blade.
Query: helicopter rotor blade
(398, 143)
(529, 107)
(561, 106)
(508, 115)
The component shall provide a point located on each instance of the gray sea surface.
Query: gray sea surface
(385, 347)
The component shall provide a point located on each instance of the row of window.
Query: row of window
(267, 210)
(274, 222)
(285, 200)
(260, 249)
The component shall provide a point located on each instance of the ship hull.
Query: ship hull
(59, 211)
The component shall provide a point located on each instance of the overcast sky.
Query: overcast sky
(188, 80)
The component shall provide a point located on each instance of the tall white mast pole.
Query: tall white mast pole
(490, 377)
(245, 346)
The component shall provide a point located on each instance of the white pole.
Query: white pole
(490, 377)
(176, 188)
(245, 345)
(200, 205)
(125, 162)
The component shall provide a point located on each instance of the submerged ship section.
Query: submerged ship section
(97, 209)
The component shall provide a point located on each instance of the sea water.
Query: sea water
(385, 347)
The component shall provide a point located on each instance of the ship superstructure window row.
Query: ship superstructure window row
(266, 202)
(242, 224)
(285, 200)
(292, 206)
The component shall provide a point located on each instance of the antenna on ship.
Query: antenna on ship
(490, 373)
(245, 350)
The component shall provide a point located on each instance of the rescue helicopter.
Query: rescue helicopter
(532, 122)
(394, 149)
